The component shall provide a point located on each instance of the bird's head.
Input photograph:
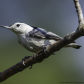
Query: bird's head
(19, 28)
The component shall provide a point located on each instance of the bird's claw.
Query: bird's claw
(26, 57)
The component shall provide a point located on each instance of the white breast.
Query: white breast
(34, 44)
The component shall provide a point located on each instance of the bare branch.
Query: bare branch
(79, 11)
(40, 56)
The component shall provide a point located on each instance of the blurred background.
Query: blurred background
(58, 16)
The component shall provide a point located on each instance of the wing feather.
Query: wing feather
(42, 33)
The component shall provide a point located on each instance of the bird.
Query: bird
(35, 38)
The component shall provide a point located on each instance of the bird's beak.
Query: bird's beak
(8, 27)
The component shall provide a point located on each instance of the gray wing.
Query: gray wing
(42, 33)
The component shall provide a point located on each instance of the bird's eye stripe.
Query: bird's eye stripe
(18, 25)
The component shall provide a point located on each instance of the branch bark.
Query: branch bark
(79, 11)
(45, 53)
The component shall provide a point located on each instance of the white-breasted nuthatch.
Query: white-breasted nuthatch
(35, 38)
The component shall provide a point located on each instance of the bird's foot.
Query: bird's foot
(26, 57)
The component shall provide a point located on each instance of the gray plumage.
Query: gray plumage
(42, 33)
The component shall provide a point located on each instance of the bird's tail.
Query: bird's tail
(73, 45)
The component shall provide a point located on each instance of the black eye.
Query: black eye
(18, 25)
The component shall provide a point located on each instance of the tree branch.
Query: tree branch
(79, 11)
(45, 53)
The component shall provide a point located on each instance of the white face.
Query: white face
(19, 28)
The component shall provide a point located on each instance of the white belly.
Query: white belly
(34, 44)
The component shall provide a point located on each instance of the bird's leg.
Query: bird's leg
(26, 57)
(44, 47)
